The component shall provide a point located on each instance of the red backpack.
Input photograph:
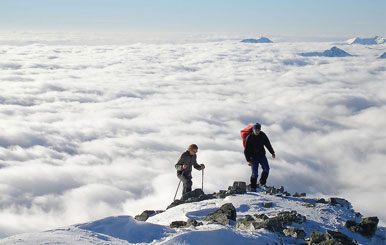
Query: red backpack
(245, 132)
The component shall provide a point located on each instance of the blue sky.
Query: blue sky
(289, 17)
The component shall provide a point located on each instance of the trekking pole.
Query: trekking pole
(202, 181)
(177, 190)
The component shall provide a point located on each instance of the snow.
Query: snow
(367, 41)
(126, 230)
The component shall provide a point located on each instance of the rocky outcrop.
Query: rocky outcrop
(259, 222)
(223, 215)
(287, 217)
(294, 232)
(336, 201)
(146, 214)
(317, 237)
(193, 196)
(367, 227)
(336, 237)
(183, 224)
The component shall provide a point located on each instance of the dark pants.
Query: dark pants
(255, 167)
(187, 183)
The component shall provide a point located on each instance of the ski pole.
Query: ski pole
(177, 190)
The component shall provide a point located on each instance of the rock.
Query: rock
(303, 194)
(340, 202)
(281, 189)
(175, 203)
(193, 222)
(239, 187)
(367, 227)
(271, 190)
(287, 217)
(294, 232)
(223, 215)
(193, 194)
(146, 214)
(351, 225)
(258, 222)
(321, 200)
(178, 224)
(317, 237)
(183, 224)
(336, 237)
(286, 194)
(309, 205)
(267, 204)
(296, 194)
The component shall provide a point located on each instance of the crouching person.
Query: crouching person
(184, 167)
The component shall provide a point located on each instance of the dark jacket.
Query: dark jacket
(254, 146)
(189, 160)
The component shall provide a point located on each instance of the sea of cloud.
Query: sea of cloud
(89, 131)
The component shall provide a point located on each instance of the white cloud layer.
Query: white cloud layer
(93, 131)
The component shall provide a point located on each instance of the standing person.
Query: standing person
(184, 167)
(255, 154)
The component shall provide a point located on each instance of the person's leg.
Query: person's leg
(265, 173)
(187, 185)
(254, 168)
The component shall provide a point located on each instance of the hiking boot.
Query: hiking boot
(263, 178)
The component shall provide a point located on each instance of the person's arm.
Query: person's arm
(196, 165)
(268, 145)
(247, 149)
(180, 164)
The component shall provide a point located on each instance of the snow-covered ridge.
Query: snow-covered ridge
(366, 41)
(260, 40)
(267, 216)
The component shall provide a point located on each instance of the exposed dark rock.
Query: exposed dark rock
(367, 227)
(193, 222)
(193, 196)
(294, 232)
(267, 204)
(271, 190)
(317, 237)
(146, 214)
(287, 217)
(178, 224)
(239, 187)
(286, 194)
(258, 222)
(296, 195)
(183, 224)
(321, 200)
(175, 203)
(340, 202)
(281, 189)
(336, 237)
(223, 215)
(197, 193)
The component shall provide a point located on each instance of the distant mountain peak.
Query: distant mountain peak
(366, 41)
(333, 52)
(260, 40)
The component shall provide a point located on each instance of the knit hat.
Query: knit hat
(257, 127)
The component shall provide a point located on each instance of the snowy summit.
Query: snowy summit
(260, 40)
(236, 216)
(366, 41)
(333, 52)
